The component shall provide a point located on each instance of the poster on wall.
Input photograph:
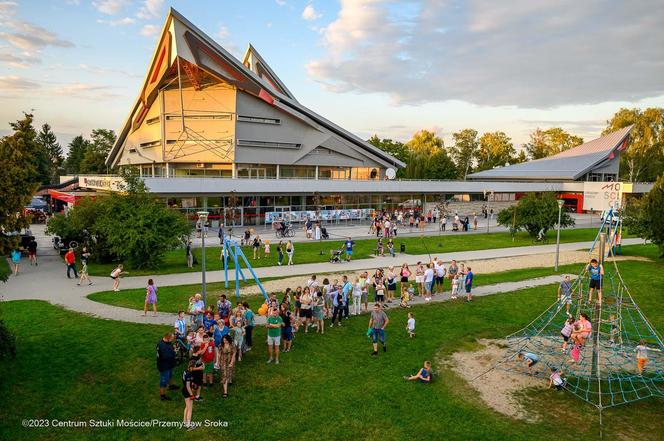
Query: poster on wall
(325, 215)
(600, 196)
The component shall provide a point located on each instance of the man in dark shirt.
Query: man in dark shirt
(32, 251)
(165, 364)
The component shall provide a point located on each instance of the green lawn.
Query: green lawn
(175, 298)
(310, 252)
(76, 367)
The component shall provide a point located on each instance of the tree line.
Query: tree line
(427, 157)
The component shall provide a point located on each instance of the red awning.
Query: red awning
(64, 197)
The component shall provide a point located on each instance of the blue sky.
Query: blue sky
(372, 66)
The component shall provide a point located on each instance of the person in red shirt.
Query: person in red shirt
(208, 358)
(70, 261)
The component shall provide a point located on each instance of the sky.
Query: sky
(372, 66)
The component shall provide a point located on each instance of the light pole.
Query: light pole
(560, 211)
(487, 193)
(202, 218)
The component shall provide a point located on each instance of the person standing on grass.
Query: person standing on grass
(249, 323)
(150, 298)
(404, 273)
(440, 270)
(306, 303)
(428, 282)
(410, 325)
(453, 270)
(226, 364)
(274, 325)
(70, 262)
(32, 251)
(565, 293)
(208, 356)
(165, 365)
(347, 290)
(224, 309)
(338, 303)
(349, 248)
(365, 282)
(115, 275)
(377, 323)
(198, 309)
(469, 284)
(238, 334)
(357, 296)
(319, 314)
(290, 250)
(287, 330)
(419, 278)
(189, 393)
(596, 272)
(391, 282)
(189, 255)
(280, 253)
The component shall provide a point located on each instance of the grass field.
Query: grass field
(310, 252)
(70, 366)
(175, 298)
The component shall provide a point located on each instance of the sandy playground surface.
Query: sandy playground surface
(479, 267)
(497, 388)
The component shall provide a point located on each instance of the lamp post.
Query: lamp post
(202, 218)
(560, 211)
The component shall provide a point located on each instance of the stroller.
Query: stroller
(323, 233)
(335, 256)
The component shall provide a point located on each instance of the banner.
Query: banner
(326, 215)
(600, 196)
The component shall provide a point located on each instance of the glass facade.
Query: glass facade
(297, 172)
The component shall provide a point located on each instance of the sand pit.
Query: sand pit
(498, 388)
(479, 267)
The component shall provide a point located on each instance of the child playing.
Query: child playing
(238, 334)
(566, 332)
(410, 326)
(642, 355)
(406, 296)
(575, 353)
(266, 249)
(530, 358)
(455, 285)
(556, 380)
(615, 330)
(208, 356)
(423, 375)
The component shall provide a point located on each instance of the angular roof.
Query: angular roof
(181, 40)
(569, 165)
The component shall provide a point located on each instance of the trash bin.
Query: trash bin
(402, 248)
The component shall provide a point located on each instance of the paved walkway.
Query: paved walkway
(48, 282)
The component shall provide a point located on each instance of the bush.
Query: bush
(645, 217)
(534, 213)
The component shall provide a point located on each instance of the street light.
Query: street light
(560, 211)
(202, 218)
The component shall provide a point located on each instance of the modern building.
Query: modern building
(202, 112)
(594, 161)
(210, 132)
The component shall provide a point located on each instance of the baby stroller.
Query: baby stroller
(323, 233)
(335, 256)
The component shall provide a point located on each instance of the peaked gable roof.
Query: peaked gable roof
(571, 164)
(182, 41)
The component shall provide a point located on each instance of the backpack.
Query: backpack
(340, 298)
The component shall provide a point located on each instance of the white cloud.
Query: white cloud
(119, 22)
(309, 13)
(280, 2)
(107, 71)
(150, 9)
(7, 10)
(149, 30)
(528, 54)
(110, 7)
(222, 33)
(15, 83)
(223, 37)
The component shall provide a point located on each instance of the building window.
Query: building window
(256, 171)
(149, 144)
(146, 170)
(258, 119)
(216, 116)
(297, 172)
(152, 120)
(365, 173)
(268, 144)
(333, 172)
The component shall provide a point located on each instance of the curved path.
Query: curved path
(48, 280)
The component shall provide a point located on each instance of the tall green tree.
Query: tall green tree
(645, 217)
(549, 142)
(534, 213)
(19, 178)
(465, 150)
(94, 159)
(643, 161)
(49, 143)
(496, 150)
(394, 148)
(427, 158)
(77, 149)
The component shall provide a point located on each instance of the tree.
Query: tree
(465, 150)
(544, 143)
(19, 179)
(47, 140)
(394, 148)
(440, 166)
(77, 149)
(645, 218)
(94, 158)
(534, 213)
(496, 150)
(427, 158)
(643, 161)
